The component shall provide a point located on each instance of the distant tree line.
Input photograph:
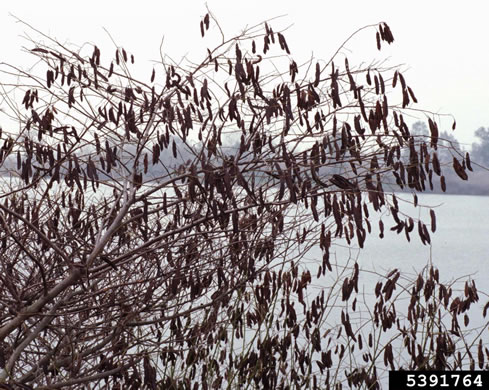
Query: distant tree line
(449, 147)
(480, 149)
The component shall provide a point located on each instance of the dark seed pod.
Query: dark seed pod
(433, 220)
(411, 93)
(318, 74)
(443, 184)
(467, 161)
(386, 33)
(459, 170)
(436, 164)
(206, 21)
(394, 80)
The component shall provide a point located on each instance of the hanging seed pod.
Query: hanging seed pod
(381, 229)
(318, 75)
(283, 43)
(436, 164)
(467, 161)
(411, 93)
(443, 184)
(459, 170)
(387, 33)
(433, 220)
(206, 21)
(394, 80)
(434, 133)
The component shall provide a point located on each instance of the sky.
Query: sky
(441, 44)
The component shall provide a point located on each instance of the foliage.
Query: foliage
(153, 232)
(480, 149)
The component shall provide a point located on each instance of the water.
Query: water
(459, 247)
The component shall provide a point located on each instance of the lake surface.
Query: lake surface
(459, 247)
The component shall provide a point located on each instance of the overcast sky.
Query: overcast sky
(443, 44)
